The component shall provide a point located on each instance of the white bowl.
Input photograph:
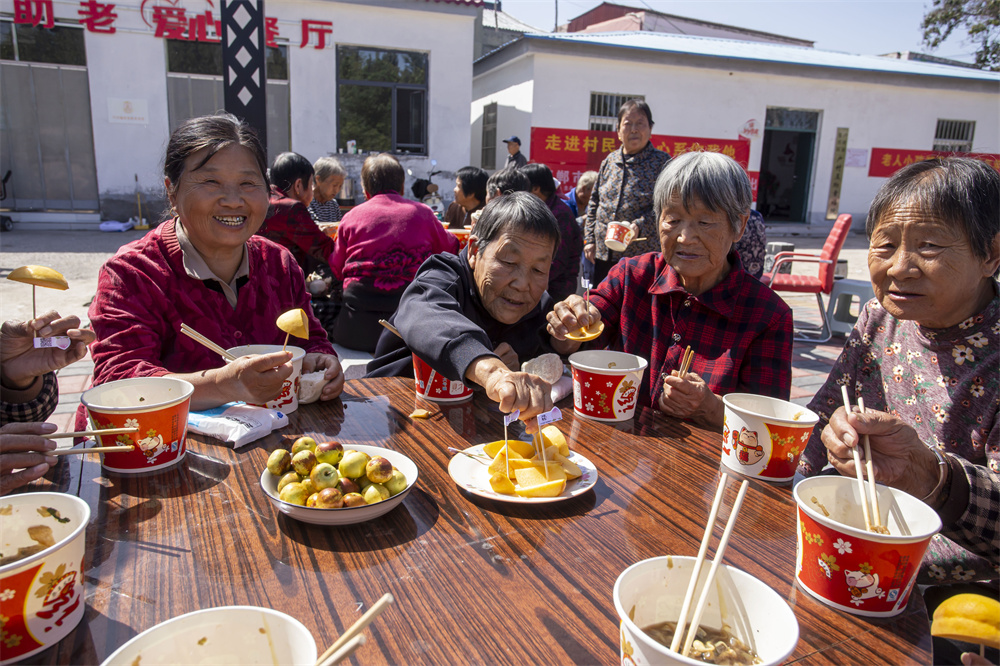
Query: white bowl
(347, 515)
(288, 400)
(236, 635)
(652, 591)
(41, 596)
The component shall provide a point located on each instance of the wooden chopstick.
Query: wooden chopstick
(93, 449)
(719, 551)
(346, 651)
(90, 433)
(857, 465)
(357, 627)
(869, 466)
(198, 337)
(391, 328)
(686, 363)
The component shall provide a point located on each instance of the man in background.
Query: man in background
(515, 158)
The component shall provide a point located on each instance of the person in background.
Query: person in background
(579, 196)
(288, 220)
(329, 179)
(624, 190)
(506, 181)
(515, 158)
(566, 261)
(380, 245)
(29, 393)
(470, 196)
(753, 246)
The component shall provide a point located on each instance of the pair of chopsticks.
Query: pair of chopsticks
(198, 337)
(686, 361)
(870, 524)
(352, 639)
(93, 449)
(692, 630)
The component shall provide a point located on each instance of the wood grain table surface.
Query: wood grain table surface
(476, 581)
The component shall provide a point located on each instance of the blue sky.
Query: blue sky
(855, 26)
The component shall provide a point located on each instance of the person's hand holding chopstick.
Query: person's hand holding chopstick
(23, 448)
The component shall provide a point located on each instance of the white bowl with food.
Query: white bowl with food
(648, 597)
(41, 570)
(345, 515)
(228, 635)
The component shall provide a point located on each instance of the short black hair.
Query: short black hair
(507, 181)
(288, 169)
(517, 213)
(631, 104)
(213, 132)
(961, 191)
(540, 176)
(473, 180)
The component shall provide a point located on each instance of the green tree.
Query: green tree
(979, 18)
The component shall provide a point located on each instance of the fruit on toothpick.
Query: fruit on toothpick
(511, 474)
(330, 498)
(552, 436)
(39, 276)
(294, 493)
(324, 475)
(397, 483)
(971, 618)
(501, 462)
(501, 484)
(295, 322)
(303, 462)
(523, 449)
(585, 334)
(354, 499)
(303, 444)
(378, 470)
(353, 464)
(279, 461)
(329, 452)
(376, 492)
(289, 477)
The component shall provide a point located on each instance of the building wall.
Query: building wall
(512, 89)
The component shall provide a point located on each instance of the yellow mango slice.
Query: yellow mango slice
(550, 489)
(554, 437)
(295, 322)
(501, 484)
(572, 470)
(535, 475)
(39, 276)
(518, 449)
(499, 464)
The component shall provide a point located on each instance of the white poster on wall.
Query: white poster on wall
(856, 157)
(128, 111)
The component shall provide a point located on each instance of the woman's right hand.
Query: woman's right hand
(256, 379)
(22, 448)
(590, 252)
(571, 315)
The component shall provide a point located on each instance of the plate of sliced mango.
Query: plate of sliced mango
(514, 472)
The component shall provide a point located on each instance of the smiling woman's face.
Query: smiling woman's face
(634, 131)
(511, 274)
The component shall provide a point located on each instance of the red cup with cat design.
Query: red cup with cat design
(764, 437)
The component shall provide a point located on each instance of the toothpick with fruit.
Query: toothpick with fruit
(294, 322)
(42, 276)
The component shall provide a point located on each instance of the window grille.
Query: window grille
(954, 135)
(604, 110)
(489, 160)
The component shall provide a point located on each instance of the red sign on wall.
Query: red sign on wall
(887, 161)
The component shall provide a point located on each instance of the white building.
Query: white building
(91, 90)
(791, 103)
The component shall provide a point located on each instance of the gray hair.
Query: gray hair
(717, 182)
(327, 167)
(587, 180)
(517, 213)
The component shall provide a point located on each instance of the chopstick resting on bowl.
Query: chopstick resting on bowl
(198, 337)
(92, 449)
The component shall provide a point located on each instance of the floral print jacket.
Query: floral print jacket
(946, 384)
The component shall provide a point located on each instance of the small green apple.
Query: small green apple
(303, 444)
(324, 475)
(329, 452)
(397, 483)
(376, 492)
(353, 464)
(303, 462)
(289, 477)
(294, 493)
(310, 485)
(279, 461)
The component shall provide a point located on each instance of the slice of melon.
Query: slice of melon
(295, 322)
(39, 276)
(550, 489)
(501, 484)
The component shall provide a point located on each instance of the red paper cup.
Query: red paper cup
(849, 568)
(158, 406)
(764, 437)
(288, 400)
(606, 384)
(42, 595)
(619, 236)
(462, 235)
(430, 385)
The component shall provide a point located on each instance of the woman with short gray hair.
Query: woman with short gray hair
(693, 292)
(330, 176)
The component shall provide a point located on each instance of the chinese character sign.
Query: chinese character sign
(887, 161)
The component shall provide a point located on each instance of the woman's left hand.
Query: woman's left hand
(689, 397)
(334, 374)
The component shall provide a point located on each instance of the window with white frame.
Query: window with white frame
(604, 110)
(954, 136)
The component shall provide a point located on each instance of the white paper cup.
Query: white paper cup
(619, 236)
(288, 400)
(606, 384)
(763, 437)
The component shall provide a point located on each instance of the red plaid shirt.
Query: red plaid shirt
(740, 330)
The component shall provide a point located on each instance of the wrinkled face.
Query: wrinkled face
(222, 203)
(634, 131)
(511, 274)
(466, 201)
(923, 269)
(695, 242)
(583, 198)
(513, 147)
(325, 190)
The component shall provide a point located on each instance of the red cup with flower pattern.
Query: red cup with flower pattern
(764, 437)
(606, 384)
(157, 406)
(849, 568)
(431, 385)
(619, 235)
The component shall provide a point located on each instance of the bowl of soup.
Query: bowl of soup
(606, 384)
(41, 570)
(743, 618)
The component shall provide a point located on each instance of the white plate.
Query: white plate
(347, 515)
(474, 477)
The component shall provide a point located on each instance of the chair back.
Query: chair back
(831, 250)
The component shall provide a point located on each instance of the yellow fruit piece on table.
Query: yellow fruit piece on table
(549, 489)
(420, 414)
(295, 322)
(572, 470)
(493, 448)
(501, 484)
(535, 475)
(40, 276)
(554, 437)
(972, 618)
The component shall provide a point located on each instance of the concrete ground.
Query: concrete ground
(79, 256)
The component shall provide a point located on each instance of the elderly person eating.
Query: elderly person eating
(474, 317)
(695, 292)
(925, 355)
(205, 267)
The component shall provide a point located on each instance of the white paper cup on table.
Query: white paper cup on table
(288, 400)
(763, 437)
(243, 635)
(41, 595)
(619, 235)
(849, 568)
(431, 385)
(606, 384)
(651, 592)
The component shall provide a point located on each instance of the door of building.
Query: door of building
(786, 164)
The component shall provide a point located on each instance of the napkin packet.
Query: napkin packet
(236, 422)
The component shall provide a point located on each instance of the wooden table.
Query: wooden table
(475, 581)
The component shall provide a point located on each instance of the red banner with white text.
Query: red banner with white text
(887, 161)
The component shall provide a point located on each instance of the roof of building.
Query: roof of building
(752, 51)
(471, 3)
(504, 21)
